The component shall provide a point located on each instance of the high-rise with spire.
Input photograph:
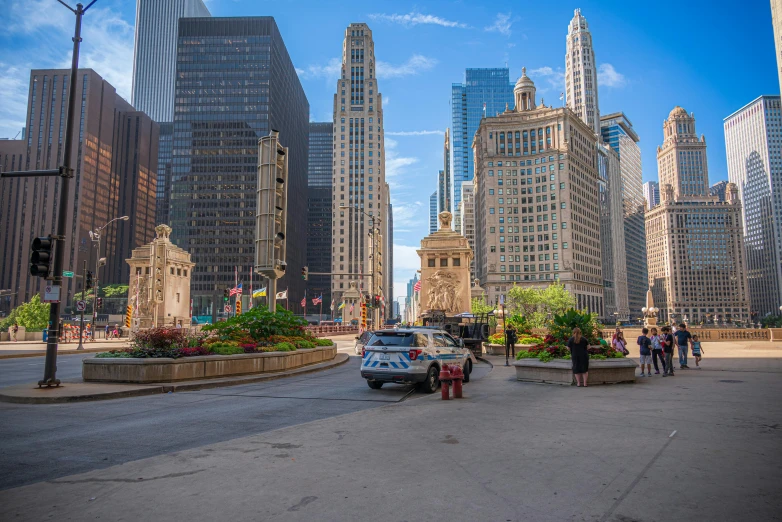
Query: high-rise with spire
(581, 73)
(360, 189)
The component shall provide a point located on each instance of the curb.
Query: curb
(158, 389)
(59, 352)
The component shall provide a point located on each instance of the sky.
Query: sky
(710, 57)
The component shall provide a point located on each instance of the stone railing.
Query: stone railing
(324, 331)
(705, 334)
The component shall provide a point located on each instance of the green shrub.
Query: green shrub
(226, 349)
(525, 354)
(114, 354)
(284, 347)
(324, 342)
(497, 338)
(530, 340)
(259, 323)
(304, 344)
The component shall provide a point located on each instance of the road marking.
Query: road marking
(672, 434)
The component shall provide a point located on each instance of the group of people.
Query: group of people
(654, 346)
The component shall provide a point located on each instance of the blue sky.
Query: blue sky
(709, 57)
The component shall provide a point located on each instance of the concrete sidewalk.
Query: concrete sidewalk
(704, 445)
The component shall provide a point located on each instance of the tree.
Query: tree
(115, 291)
(34, 315)
(538, 305)
(479, 305)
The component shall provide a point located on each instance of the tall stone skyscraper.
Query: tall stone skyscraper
(753, 142)
(360, 189)
(697, 268)
(485, 92)
(215, 151)
(154, 75)
(581, 73)
(154, 54)
(776, 22)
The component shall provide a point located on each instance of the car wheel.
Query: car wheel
(432, 381)
(467, 370)
(375, 385)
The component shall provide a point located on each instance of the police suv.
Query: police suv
(412, 356)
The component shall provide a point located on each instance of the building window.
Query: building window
(430, 263)
(456, 262)
(444, 261)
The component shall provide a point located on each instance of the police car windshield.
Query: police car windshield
(404, 339)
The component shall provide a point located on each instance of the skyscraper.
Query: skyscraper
(776, 22)
(154, 54)
(433, 213)
(467, 218)
(652, 194)
(581, 73)
(618, 133)
(154, 73)
(319, 218)
(719, 188)
(215, 150)
(485, 92)
(445, 201)
(697, 268)
(753, 142)
(115, 148)
(361, 193)
(537, 201)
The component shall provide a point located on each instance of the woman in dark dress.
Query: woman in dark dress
(578, 345)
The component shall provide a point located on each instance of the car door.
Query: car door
(445, 351)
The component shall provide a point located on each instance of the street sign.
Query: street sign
(67, 273)
(51, 294)
(81, 306)
(228, 309)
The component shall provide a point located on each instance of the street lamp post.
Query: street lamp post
(99, 262)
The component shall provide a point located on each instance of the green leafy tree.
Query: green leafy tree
(115, 291)
(538, 305)
(33, 315)
(480, 306)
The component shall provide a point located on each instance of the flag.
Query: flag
(351, 308)
(502, 300)
(341, 306)
(261, 292)
(318, 300)
(332, 304)
(282, 295)
(304, 301)
(237, 289)
(417, 286)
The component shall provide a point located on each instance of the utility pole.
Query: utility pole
(83, 288)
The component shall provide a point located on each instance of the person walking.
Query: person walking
(657, 351)
(579, 357)
(619, 343)
(510, 342)
(645, 346)
(107, 335)
(14, 330)
(696, 351)
(668, 351)
(683, 340)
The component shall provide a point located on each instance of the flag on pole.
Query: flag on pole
(283, 294)
(332, 304)
(317, 300)
(351, 308)
(261, 292)
(341, 306)
(304, 301)
(237, 289)
(417, 286)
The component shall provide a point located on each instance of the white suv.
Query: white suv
(412, 356)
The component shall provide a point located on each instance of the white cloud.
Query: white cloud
(405, 257)
(395, 165)
(14, 84)
(414, 65)
(609, 77)
(501, 24)
(330, 71)
(552, 79)
(414, 133)
(386, 101)
(414, 18)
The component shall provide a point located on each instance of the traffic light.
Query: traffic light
(238, 307)
(128, 316)
(88, 282)
(305, 273)
(226, 295)
(41, 257)
(99, 302)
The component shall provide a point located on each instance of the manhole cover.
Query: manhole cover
(730, 380)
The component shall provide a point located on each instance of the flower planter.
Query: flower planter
(560, 371)
(200, 367)
(499, 349)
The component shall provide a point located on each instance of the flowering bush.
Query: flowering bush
(497, 338)
(258, 324)
(323, 342)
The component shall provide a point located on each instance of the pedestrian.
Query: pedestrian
(14, 329)
(115, 332)
(645, 345)
(668, 351)
(619, 343)
(510, 342)
(683, 340)
(697, 351)
(579, 357)
(657, 351)
(107, 335)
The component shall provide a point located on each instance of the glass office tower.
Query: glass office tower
(485, 92)
(235, 82)
(319, 220)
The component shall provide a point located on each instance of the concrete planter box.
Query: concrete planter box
(202, 367)
(560, 371)
(499, 349)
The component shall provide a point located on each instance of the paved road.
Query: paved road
(43, 442)
(30, 369)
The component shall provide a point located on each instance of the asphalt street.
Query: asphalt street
(44, 442)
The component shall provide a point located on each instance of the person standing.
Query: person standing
(683, 340)
(645, 346)
(579, 357)
(696, 351)
(510, 342)
(14, 330)
(657, 351)
(668, 351)
(619, 343)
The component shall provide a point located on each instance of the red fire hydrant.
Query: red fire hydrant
(457, 375)
(445, 381)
